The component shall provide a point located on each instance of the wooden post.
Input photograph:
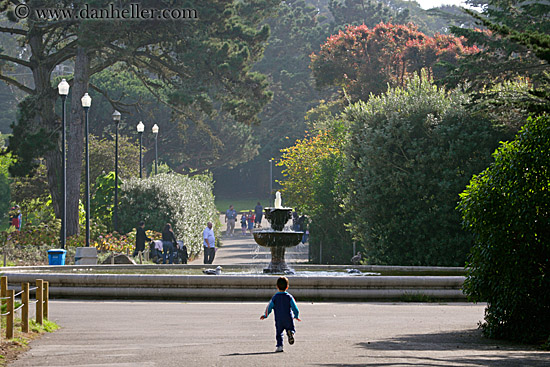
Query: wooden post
(25, 310)
(39, 300)
(4, 289)
(9, 317)
(46, 298)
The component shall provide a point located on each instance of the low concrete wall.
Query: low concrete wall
(243, 287)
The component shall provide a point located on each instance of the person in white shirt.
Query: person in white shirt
(209, 244)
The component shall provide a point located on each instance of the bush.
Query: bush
(313, 185)
(507, 208)
(185, 202)
(412, 151)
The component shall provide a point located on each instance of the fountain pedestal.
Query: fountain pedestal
(278, 263)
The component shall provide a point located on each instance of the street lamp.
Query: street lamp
(116, 119)
(86, 103)
(140, 129)
(63, 88)
(270, 179)
(156, 132)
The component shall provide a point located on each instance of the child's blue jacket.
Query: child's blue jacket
(283, 303)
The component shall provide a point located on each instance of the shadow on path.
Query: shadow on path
(457, 348)
(246, 354)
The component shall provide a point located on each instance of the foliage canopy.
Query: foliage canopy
(412, 151)
(507, 209)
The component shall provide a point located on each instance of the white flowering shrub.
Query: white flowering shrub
(185, 202)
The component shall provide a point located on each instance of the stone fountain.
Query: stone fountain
(277, 239)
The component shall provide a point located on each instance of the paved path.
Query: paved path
(146, 334)
(241, 249)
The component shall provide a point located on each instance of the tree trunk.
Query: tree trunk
(75, 139)
(45, 97)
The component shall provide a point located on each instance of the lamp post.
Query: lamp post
(140, 129)
(116, 119)
(156, 132)
(271, 180)
(63, 89)
(86, 103)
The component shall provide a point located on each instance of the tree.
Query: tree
(364, 60)
(412, 151)
(298, 28)
(313, 184)
(199, 65)
(5, 194)
(514, 44)
(507, 208)
(367, 12)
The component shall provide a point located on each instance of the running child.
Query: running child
(285, 311)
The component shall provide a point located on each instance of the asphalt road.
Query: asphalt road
(140, 333)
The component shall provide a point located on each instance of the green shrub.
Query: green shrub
(102, 203)
(507, 208)
(185, 202)
(412, 151)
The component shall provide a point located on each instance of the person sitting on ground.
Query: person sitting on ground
(183, 255)
(156, 251)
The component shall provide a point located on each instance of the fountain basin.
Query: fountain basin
(270, 238)
(277, 242)
(239, 287)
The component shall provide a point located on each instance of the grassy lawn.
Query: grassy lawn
(240, 204)
(11, 348)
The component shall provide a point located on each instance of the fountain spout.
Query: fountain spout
(278, 200)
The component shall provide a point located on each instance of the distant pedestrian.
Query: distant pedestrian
(285, 311)
(259, 212)
(230, 217)
(169, 243)
(243, 224)
(209, 244)
(141, 237)
(16, 217)
(295, 225)
(250, 221)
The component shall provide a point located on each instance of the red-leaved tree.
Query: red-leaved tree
(365, 60)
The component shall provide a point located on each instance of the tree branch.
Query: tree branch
(115, 104)
(13, 31)
(154, 93)
(16, 84)
(15, 60)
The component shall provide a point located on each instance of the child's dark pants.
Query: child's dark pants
(280, 329)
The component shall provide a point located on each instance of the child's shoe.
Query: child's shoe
(290, 337)
(279, 349)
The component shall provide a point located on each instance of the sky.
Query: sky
(428, 4)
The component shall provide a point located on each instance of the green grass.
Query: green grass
(240, 204)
